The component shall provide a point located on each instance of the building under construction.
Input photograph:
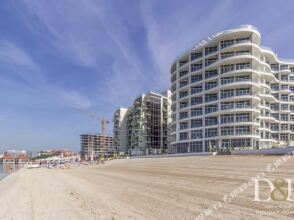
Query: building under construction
(95, 146)
(147, 122)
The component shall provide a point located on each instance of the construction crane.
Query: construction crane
(103, 126)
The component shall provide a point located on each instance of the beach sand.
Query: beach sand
(161, 188)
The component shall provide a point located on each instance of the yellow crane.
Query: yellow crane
(103, 126)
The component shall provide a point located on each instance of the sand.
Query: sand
(161, 188)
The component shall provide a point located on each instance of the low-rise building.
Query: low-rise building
(22, 159)
(7, 158)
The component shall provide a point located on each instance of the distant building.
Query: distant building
(54, 152)
(147, 122)
(16, 153)
(21, 159)
(92, 146)
(8, 158)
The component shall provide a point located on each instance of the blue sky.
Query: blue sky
(99, 55)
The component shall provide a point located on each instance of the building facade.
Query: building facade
(229, 93)
(120, 130)
(94, 146)
(147, 122)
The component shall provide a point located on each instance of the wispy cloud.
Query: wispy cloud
(13, 55)
(75, 99)
(16, 58)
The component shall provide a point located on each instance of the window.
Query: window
(209, 50)
(195, 67)
(244, 117)
(240, 143)
(227, 55)
(210, 121)
(242, 78)
(196, 78)
(284, 127)
(275, 87)
(195, 56)
(284, 117)
(183, 94)
(210, 97)
(227, 131)
(183, 83)
(243, 91)
(210, 109)
(226, 43)
(275, 67)
(227, 118)
(210, 85)
(284, 98)
(241, 66)
(210, 73)
(242, 40)
(183, 136)
(196, 112)
(183, 73)
(227, 68)
(276, 96)
(292, 108)
(211, 132)
(196, 89)
(196, 100)
(284, 106)
(284, 87)
(183, 115)
(275, 115)
(195, 123)
(227, 80)
(183, 104)
(243, 52)
(284, 78)
(195, 134)
(210, 60)
(196, 146)
(275, 127)
(182, 147)
(183, 125)
(227, 105)
(243, 104)
(242, 130)
(227, 93)
(284, 137)
(275, 107)
(182, 63)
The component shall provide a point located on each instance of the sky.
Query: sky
(61, 55)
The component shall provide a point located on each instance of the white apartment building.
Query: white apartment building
(120, 130)
(147, 122)
(229, 93)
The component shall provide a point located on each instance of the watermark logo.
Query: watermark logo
(280, 190)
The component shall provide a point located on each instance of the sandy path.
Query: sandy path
(168, 188)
